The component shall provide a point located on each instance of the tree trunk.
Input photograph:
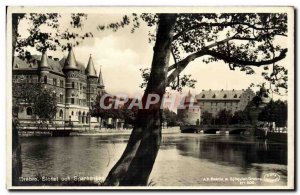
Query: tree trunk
(16, 154)
(16, 147)
(136, 163)
(14, 33)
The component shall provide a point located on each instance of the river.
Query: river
(183, 159)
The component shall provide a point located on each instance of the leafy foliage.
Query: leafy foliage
(242, 40)
(184, 81)
(224, 117)
(275, 111)
(207, 118)
(170, 118)
(123, 112)
(46, 33)
(42, 100)
(240, 117)
(45, 105)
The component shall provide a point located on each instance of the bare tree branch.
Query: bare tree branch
(228, 59)
(225, 24)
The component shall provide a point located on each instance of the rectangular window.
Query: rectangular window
(54, 81)
(61, 83)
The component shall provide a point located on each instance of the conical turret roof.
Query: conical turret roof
(100, 79)
(90, 69)
(70, 63)
(44, 61)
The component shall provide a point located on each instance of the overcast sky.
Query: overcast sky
(121, 54)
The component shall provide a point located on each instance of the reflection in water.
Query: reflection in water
(183, 160)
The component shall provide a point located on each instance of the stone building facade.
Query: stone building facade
(213, 101)
(75, 86)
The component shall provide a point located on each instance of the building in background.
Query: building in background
(212, 101)
(75, 86)
(189, 111)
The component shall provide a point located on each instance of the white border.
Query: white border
(290, 59)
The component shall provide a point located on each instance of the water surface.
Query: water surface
(183, 159)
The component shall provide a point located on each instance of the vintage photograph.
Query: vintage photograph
(150, 98)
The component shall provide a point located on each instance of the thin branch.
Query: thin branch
(229, 59)
(225, 24)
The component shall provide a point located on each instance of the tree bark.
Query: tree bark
(136, 163)
(15, 22)
(16, 147)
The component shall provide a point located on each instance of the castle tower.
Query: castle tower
(71, 71)
(44, 68)
(189, 111)
(100, 84)
(92, 83)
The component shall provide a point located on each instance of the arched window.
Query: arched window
(203, 96)
(235, 96)
(214, 96)
(61, 113)
(45, 79)
(225, 96)
(29, 111)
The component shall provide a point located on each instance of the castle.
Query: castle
(75, 87)
(213, 101)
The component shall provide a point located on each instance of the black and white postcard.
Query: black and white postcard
(150, 98)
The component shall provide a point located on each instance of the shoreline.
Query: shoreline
(37, 133)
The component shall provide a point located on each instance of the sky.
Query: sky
(121, 54)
